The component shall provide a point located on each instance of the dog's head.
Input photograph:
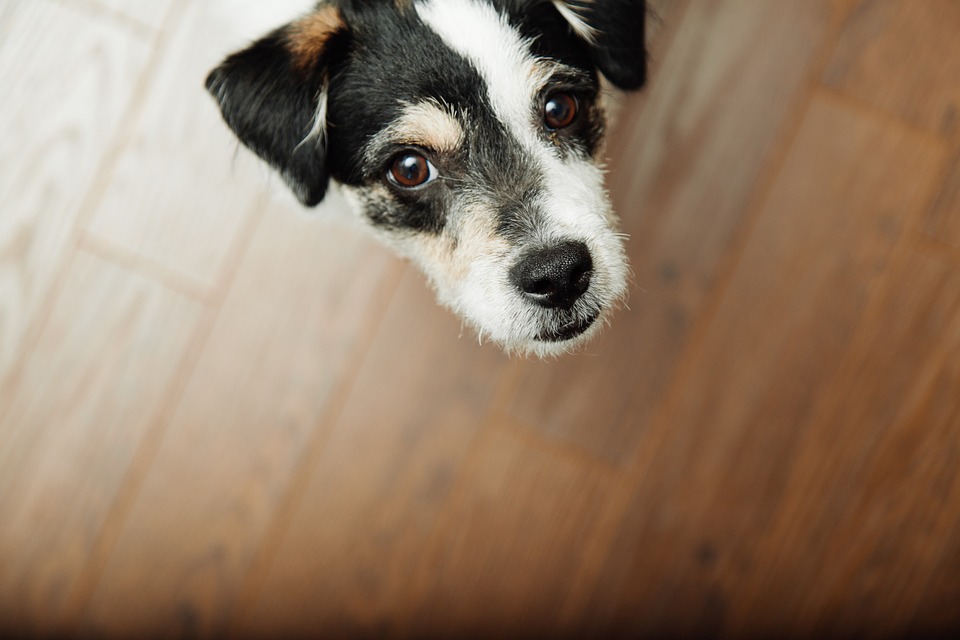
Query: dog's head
(468, 133)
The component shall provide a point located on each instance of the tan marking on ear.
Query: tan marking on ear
(308, 36)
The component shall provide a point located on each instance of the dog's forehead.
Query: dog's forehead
(467, 56)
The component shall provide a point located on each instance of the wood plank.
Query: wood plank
(871, 498)
(683, 173)
(936, 612)
(717, 468)
(903, 57)
(91, 388)
(73, 79)
(149, 13)
(511, 542)
(943, 222)
(7, 11)
(182, 187)
(289, 329)
(347, 561)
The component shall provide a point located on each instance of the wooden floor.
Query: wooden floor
(222, 416)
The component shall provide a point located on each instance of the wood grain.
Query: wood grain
(180, 140)
(95, 382)
(904, 58)
(220, 416)
(872, 494)
(718, 469)
(682, 211)
(942, 223)
(70, 80)
(515, 582)
(936, 612)
(147, 12)
(376, 492)
(237, 434)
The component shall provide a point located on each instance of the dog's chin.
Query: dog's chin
(570, 337)
(557, 340)
(569, 330)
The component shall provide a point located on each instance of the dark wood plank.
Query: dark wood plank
(936, 604)
(94, 384)
(684, 169)
(347, 561)
(943, 222)
(716, 471)
(870, 501)
(510, 545)
(903, 57)
(289, 329)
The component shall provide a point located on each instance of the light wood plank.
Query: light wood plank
(147, 12)
(348, 560)
(183, 187)
(68, 82)
(304, 300)
(717, 469)
(91, 388)
(682, 176)
(903, 57)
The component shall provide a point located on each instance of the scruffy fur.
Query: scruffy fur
(512, 225)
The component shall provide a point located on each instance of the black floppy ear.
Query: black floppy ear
(615, 31)
(273, 96)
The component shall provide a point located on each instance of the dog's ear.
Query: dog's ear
(273, 96)
(615, 32)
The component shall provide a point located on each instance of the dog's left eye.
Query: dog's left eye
(410, 170)
(560, 110)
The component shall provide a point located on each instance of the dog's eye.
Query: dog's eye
(559, 111)
(411, 170)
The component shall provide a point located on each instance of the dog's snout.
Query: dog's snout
(554, 277)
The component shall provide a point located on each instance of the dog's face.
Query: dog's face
(468, 133)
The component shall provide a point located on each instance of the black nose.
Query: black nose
(554, 277)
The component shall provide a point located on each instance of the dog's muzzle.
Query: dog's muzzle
(555, 278)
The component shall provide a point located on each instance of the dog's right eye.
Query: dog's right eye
(560, 110)
(410, 170)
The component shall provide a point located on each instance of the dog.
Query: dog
(469, 134)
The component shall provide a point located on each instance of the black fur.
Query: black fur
(271, 104)
(619, 50)
(385, 57)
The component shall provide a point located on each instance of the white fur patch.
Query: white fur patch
(480, 34)
(574, 203)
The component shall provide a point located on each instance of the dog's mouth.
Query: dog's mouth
(569, 330)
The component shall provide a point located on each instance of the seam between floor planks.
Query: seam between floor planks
(79, 241)
(634, 469)
(295, 493)
(142, 460)
(149, 269)
(90, 200)
(99, 11)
